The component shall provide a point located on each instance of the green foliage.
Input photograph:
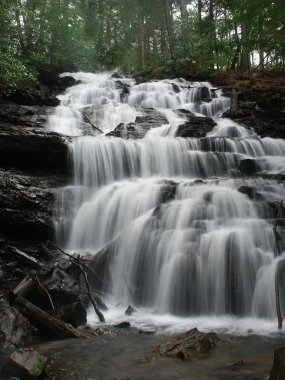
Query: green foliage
(14, 72)
(163, 35)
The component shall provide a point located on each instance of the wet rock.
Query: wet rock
(31, 97)
(147, 332)
(28, 116)
(130, 311)
(137, 130)
(248, 190)
(182, 111)
(122, 325)
(127, 131)
(73, 313)
(27, 203)
(28, 149)
(117, 75)
(176, 88)
(150, 118)
(278, 368)
(205, 94)
(189, 344)
(66, 81)
(25, 363)
(15, 329)
(264, 127)
(168, 191)
(195, 127)
(56, 82)
(248, 166)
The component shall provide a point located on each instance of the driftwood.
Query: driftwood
(23, 287)
(87, 120)
(78, 262)
(46, 322)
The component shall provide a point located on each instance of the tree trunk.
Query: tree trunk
(183, 11)
(142, 42)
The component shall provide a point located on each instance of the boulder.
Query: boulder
(189, 344)
(195, 127)
(25, 363)
(15, 329)
(278, 368)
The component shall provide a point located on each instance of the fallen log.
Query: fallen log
(23, 257)
(46, 322)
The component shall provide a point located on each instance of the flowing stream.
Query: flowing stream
(175, 229)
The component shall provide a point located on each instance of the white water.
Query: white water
(183, 252)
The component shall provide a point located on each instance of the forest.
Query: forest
(167, 37)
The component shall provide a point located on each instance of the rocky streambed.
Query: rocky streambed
(33, 166)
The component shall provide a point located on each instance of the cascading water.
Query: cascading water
(166, 218)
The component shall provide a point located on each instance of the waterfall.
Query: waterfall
(178, 227)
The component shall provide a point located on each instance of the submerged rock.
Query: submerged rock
(189, 344)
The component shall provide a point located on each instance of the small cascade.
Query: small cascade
(182, 225)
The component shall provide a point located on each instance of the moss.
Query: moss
(39, 366)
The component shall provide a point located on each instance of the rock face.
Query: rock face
(189, 344)
(27, 195)
(26, 204)
(25, 143)
(42, 96)
(278, 369)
